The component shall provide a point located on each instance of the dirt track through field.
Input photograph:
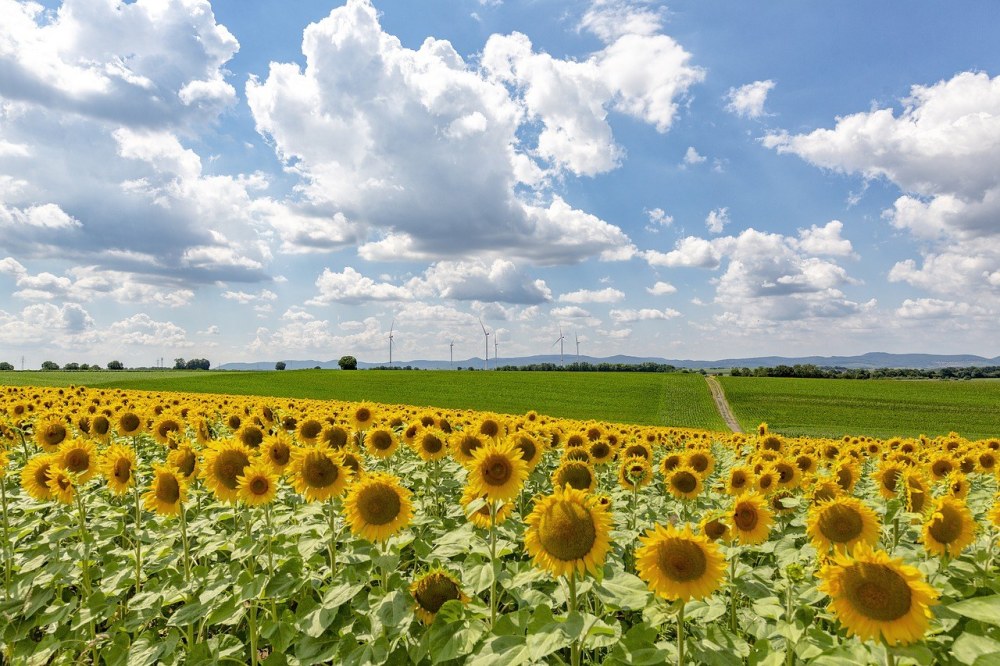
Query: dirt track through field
(722, 404)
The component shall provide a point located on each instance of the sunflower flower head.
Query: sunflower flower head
(497, 471)
(432, 590)
(378, 506)
(678, 564)
(568, 531)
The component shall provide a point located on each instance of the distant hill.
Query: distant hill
(870, 360)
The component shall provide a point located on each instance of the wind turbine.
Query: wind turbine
(392, 326)
(496, 349)
(486, 361)
(451, 354)
(560, 341)
(577, 347)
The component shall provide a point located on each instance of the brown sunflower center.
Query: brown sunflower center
(840, 523)
(739, 479)
(259, 486)
(577, 475)
(637, 450)
(490, 428)
(987, 461)
(946, 525)
(279, 453)
(167, 489)
(129, 422)
(336, 437)
(699, 461)
(185, 462)
(527, 448)
(318, 471)
(435, 589)
(600, 450)
(684, 481)
(889, 478)
(468, 444)
(497, 470)
(167, 427)
(681, 560)
(942, 467)
(804, 463)
(54, 434)
(745, 517)
(228, 466)
(122, 470)
(42, 475)
(671, 461)
(715, 529)
(363, 415)
(877, 591)
(77, 461)
(379, 504)
(310, 429)
(431, 444)
(785, 472)
(567, 531)
(252, 436)
(100, 425)
(380, 440)
(64, 482)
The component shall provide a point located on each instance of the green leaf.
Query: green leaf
(503, 651)
(478, 577)
(984, 609)
(546, 633)
(969, 647)
(186, 615)
(624, 591)
(992, 659)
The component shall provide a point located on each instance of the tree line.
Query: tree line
(810, 371)
(648, 366)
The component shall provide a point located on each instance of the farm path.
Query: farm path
(722, 404)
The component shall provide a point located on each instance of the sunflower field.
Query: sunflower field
(168, 528)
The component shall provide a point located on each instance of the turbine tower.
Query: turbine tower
(559, 340)
(577, 347)
(496, 349)
(451, 354)
(391, 327)
(486, 361)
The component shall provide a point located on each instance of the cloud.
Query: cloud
(658, 219)
(349, 286)
(748, 101)
(933, 308)
(689, 252)
(613, 19)
(570, 312)
(45, 324)
(645, 314)
(825, 240)
(608, 295)
(142, 330)
(497, 281)
(245, 298)
(429, 153)
(717, 220)
(661, 289)
(691, 156)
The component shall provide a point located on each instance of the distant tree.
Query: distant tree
(115, 365)
(4, 365)
(179, 364)
(71, 366)
(197, 364)
(348, 363)
(316, 367)
(50, 365)
(280, 365)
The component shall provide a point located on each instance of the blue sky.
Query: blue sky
(283, 180)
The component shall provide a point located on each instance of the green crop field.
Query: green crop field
(879, 408)
(681, 400)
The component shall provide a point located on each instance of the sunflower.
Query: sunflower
(129, 423)
(877, 597)
(164, 427)
(575, 473)
(678, 564)
(950, 528)
(381, 443)
(50, 432)
(683, 482)
(497, 471)
(986, 462)
(35, 476)
(887, 476)
(100, 428)
(957, 485)
(600, 452)
(309, 431)
(352, 461)
(167, 492)
(377, 507)
(184, 460)
(61, 485)
(481, 516)
(941, 466)
(634, 473)
(994, 514)
(715, 528)
(767, 480)
(258, 484)
(276, 451)
(568, 532)
(490, 428)
(789, 475)
(638, 449)
(319, 474)
(79, 457)
(118, 466)
(224, 462)
(750, 519)
(576, 454)
(335, 437)
(842, 523)
(430, 445)
(823, 490)
(846, 474)
(249, 435)
(432, 590)
(528, 447)
(740, 480)
(363, 417)
(701, 461)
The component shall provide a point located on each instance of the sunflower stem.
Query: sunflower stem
(184, 542)
(732, 591)
(890, 658)
(493, 562)
(137, 536)
(270, 547)
(574, 648)
(253, 632)
(8, 557)
(24, 444)
(85, 565)
(789, 598)
(332, 543)
(680, 633)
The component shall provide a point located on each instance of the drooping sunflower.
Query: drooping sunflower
(715, 527)
(35, 476)
(634, 473)
(576, 474)
(957, 485)
(678, 564)
(223, 463)
(184, 460)
(567, 532)
(846, 474)
(79, 457)
(164, 427)
(167, 492)
(684, 482)
(877, 597)
(377, 507)
(462, 443)
(318, 474)
(258, 484)
(950, 528)
(381, 443)
(842, 523)
(916, 491)
(887, 477)
(276, 451)
(61, 485)
(431, 590)
(528, 447)
(750, 519)
(480, 517)
(118, 466)
(50, 432)
(497, 471)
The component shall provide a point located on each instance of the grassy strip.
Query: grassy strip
(879, 408)
(681, 400)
